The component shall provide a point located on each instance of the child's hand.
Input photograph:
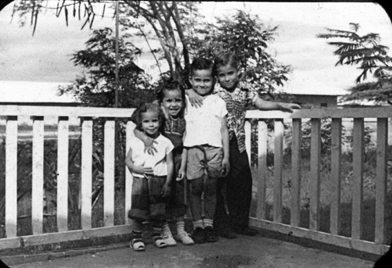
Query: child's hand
(181, 175)
(289, 107)
(166, 190)
(165, 112)
(194, 98)
(225, 167)
(149, 146)
(143, 170)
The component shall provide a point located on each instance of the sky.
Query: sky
(45, 57)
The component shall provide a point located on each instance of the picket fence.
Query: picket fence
(9, 217)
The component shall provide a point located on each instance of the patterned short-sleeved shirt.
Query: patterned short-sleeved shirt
(174, 130)
(236, 104)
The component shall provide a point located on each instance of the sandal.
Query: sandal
(137, 244)
(159, 242)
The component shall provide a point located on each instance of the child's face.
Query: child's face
(173, 102)
(150, 123)
(202, 82)
(228, 76)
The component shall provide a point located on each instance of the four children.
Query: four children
(207, 130)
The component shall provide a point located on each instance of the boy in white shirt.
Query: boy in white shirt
(206, 140)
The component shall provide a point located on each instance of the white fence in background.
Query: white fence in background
(64, 114)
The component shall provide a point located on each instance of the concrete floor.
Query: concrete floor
(241, 252)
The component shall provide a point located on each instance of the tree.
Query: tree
(180, 29)
(367, 52)
(248, 38)
(167, 19)
(97, 86)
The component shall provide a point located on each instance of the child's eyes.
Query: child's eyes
(229, 73)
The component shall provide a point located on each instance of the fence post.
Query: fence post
(381, 178)
(358, 151)
(11, 177)
(62, 173)
(86, 172)
(128, 176)
(278, 169)
(315, 155)
(336, 152)
(296, 172)
(262, 169)
(37, 191)
(109, 164)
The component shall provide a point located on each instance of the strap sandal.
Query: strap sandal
(159, 242)
(137, 244)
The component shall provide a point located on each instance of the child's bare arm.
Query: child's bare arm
(170, 171)
(134, 168)
(182, 171)
(226, 152)
(194, 98)
(271, 105)
(148, 142)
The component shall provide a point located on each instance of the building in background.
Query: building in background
(34, 93)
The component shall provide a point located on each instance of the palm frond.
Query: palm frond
(354, 26)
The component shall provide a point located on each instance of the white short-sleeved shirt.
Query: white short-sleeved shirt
(203, 124)
(157, 161)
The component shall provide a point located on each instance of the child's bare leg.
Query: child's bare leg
(196, 190)
(210, 206)
(195, 202)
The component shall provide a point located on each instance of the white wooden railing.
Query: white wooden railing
(64, 115)
(358, 115)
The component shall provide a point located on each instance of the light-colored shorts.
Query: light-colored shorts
(204, 158)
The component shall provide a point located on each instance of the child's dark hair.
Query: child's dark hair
(148, 107)
(225, 58)
(202, 64)
(170, 85)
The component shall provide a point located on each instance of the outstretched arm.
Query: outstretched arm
(271, 105)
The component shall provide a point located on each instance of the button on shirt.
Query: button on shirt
(203, 124)
(156, 161)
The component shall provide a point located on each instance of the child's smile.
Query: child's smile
(228, 77)
(202, 82)
(150, 124)
(172, 102)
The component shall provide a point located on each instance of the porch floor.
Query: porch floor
(244, 251)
